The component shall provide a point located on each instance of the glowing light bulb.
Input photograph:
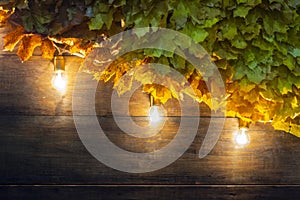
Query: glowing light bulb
(241, 138)
(59, 81)
(156, 112)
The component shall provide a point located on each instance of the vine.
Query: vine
(254, 43)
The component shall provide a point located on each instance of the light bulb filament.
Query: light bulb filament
(59, 81)
(241, 138)
(155, 113)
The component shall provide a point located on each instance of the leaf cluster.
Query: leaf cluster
(254, 43)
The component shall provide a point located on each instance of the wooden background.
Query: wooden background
(42, 157)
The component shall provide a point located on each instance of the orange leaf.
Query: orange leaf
(12, 38)
(48, 49)
(27, 46)
(4, 15)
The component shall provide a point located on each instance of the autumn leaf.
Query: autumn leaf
(4, 15)
(27, 46)
(48, 49)
(13, 38)
(158, 92)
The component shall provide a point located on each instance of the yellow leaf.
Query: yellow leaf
(27, 46)
(13, 38)
(124, 84)
(4, 15)
(159, 92)
(48, 49)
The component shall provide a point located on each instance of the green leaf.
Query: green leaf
(294, 80)
(262, 44)
(27, 21)
(295, 52)
(197, 33)
(200, 35)
(210, 22)
(241, 11)
(284, 86)
(100, 8)
(153, 52)
(248, 55)
(119, 3)
(251, 29)
(141, 32)
(245, 85)
(96, 23)
(164, 70)
(239, 42)
(289, 62)
(178, 62)
(273, 25)
(229, 29)
(256, 75)
(180, 15)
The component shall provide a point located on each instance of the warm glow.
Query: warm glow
(156, 113)
(241, 138)
(59, 81)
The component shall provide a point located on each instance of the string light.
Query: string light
(241, 137)
(59, 80)
(156, 111)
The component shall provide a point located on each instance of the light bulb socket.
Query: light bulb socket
(154, 101)
(59, 63)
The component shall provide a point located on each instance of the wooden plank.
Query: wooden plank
(47, 150)
(26, 89)
(218, 192)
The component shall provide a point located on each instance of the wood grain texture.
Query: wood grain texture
(26, 89)
(135, 192)
(42, 157)
(47, 150)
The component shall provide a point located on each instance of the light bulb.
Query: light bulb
(156, 112)
(59, 81)
(241, 138)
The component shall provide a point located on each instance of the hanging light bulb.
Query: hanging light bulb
(59, 80)
(241, 137)
(156, 111)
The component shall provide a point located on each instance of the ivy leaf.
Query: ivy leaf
(141, 32)
(27, 46)
(124, 84)
(197, 33)
(13, 38)
(295, 52)
(289, 62)
(284, 86)
(178, 62)
(245, 85)
(239, 42)
(229, 29)
(47, 49)
(249, 2)
(162, 71)
(27, 21)
(256, 75)
(180, 15)
(241, 11)
(96, 23)
(250, 31)
(262, 44)
(294, 80)
(271, 26)
(210, 22)
(153, 52)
